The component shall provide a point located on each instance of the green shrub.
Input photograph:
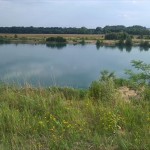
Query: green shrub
(116, 36)
(102, 90)
(69, 93)
(146, 93)
(56, 39)
(99, 43)
(39, 118)
(4, 40)
(82, 42)
(128, 41)
(120, 43)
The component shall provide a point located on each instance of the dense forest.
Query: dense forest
(134, 30)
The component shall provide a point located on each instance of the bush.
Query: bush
(128, 41)
(3, 40)
(56, 39)
(111, 36)
(142, 77)
(82, 42)
(102, 90)
(116, 36)
(99, 43)
(69, 93)
(146, 93)
(120, 43)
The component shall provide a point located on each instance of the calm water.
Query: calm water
(75, 66)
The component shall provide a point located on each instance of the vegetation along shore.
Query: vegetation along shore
(112, 114)
(109, 35)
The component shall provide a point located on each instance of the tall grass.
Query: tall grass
(62, 118)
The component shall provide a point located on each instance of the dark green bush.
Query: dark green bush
(102, 90)
(146, 93)
(3, 40)
(128, 41)
(82, 42)
(116, 36)
(56, 39)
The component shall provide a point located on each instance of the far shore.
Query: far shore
(71, 38)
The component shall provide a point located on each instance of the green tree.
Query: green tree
(121, 42)
(56, 39)
(143, 74)
(99, 43)
(82, 42)
(106, 75)
(128, 41)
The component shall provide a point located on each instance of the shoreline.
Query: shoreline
(71, 39)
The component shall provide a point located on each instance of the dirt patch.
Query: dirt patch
(127, 93)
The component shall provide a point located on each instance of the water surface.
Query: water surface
(64, 65)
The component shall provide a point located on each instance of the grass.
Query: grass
(64, 118)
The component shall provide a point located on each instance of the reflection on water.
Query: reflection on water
(98, 46)
(144, 48)
(56, 45)
(75, 66)
(118, 47)
(127, 48)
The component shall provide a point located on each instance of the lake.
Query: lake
(64, 65)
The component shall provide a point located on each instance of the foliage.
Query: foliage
(141, 77)
(133, 30)
(128, 41)
(138, 30)
(56, 39)
(146, 93)
(37, 118)
(106, 75)
(116, 36)
(98, 30)
(69, 93)
(66, 118)
(102, 90)
(82, 42)
(99, 43)
(121, 42)
(4, 40)
(108, 29)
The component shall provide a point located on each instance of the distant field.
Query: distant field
(71, 38)
(40, 38)
(54, 35)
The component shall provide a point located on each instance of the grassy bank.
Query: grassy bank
(71, 38)
(41, 38)
(63, 118)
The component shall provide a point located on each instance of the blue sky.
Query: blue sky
(74, 13)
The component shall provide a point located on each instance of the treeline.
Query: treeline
(134, 30)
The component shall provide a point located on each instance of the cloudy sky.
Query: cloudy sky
(74, 13)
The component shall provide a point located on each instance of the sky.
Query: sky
(74, 13)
